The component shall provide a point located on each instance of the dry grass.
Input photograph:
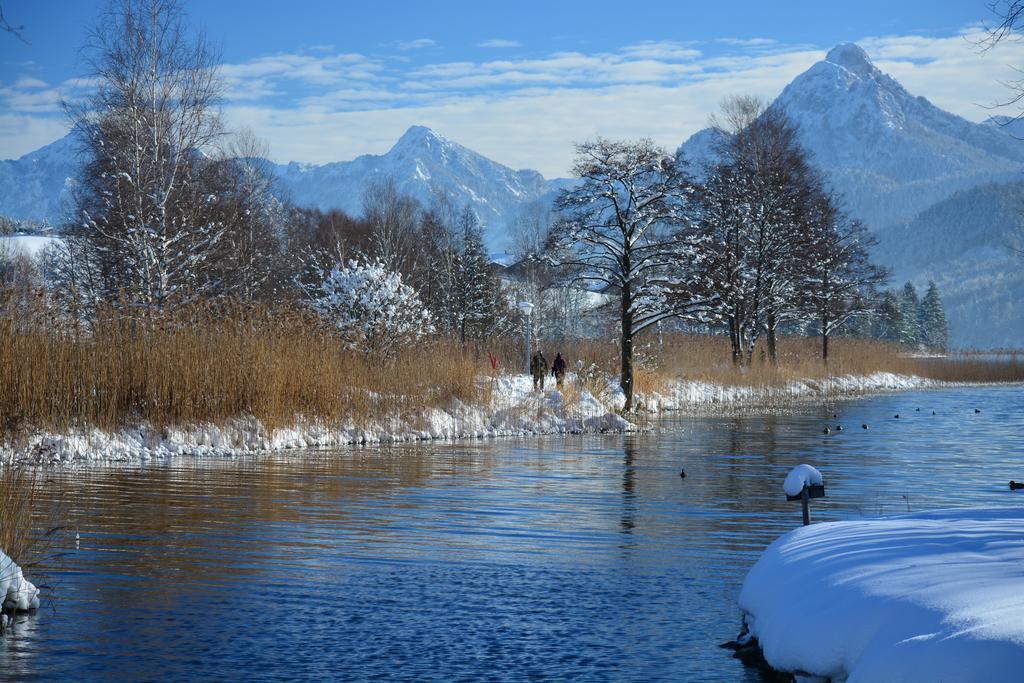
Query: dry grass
(708, 358)
(210, 365)
(27, 525)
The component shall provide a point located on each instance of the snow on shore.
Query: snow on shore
(16, 592)
(511, 408)
(684, 394)
(936, 596)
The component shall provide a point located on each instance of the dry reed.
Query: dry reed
(27, 524)
(209, 363)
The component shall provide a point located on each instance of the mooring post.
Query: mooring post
(803, 483)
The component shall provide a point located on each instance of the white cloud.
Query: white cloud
(28, 82)
(21, 133)
(748, 42)
(528, 112)
(417, 44)
(499, 43)
(661, 49)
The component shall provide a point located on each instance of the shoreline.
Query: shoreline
(514, 410)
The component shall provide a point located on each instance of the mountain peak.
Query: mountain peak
(418, 136)
(850, 56)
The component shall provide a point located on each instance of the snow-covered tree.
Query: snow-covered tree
(370, 306)
(478, 292)
(755, 208)
(560, 311)
(626, 229)
(840, 281)
(934, 331)
(144, 205)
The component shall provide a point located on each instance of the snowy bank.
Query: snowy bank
(512, 409)
(935, 596)
(681, 395)
(16, 592)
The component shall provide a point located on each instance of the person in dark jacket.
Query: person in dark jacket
(558, 369)
(538, 368)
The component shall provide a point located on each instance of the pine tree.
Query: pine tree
(886, 321)
(909, 329)
(476, 288)
(934, 332)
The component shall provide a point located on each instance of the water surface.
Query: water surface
(547, 558)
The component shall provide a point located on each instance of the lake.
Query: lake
(515, 559)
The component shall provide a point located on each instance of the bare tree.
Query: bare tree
(7, 27)
(254, 217)
(624, 230)
(755, 205)
(142, 205)
(840, 282)
(393, 218)
(1010, 16)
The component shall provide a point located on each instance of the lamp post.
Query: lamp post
(527, 309)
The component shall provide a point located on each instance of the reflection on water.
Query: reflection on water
(584, 557)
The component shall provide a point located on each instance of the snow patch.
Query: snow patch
(16, 592)
(923, 597)
(800, 477)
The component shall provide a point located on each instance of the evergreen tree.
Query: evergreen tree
(477, 289)
(886, 321)
(934, 332)
(909, 331)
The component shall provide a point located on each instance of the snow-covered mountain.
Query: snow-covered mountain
(424, 165)
(890, 154)
(900, 162)
(34, 186)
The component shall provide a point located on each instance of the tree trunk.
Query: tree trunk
(824, 340)
(734, 339)
(772, 324)
(626, 377)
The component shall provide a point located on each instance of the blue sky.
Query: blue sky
(518, 81)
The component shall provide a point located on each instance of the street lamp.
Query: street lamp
(527, 309)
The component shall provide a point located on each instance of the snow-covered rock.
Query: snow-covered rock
(16, 592)
(935, 596)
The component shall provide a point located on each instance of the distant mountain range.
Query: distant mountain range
(35, 186)
(945, 196)
(426, 166)
(421, 163)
